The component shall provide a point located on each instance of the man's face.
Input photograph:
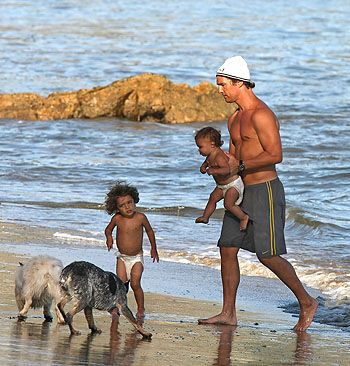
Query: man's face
(228, 88)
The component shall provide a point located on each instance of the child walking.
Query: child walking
(121, 202)
(229, 186)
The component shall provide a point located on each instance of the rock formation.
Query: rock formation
(146, 97)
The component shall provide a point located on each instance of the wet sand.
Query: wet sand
(263, 337)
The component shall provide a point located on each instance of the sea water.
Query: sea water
(55, 174)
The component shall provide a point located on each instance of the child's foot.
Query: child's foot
(243, 223)
(115, 313)
(201, 220)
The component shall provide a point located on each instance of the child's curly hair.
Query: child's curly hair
(119, 189)
(209, 133)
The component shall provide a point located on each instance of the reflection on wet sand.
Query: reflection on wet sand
(38, 344)
(127, 354)
(225, 345)
(92, 352)
(30, 339)
(303, 350)
(302, 356)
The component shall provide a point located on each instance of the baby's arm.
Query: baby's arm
(204, 166)
(152, 238)
(109, 231)
(221, 166)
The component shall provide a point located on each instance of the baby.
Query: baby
(228, 186)
(121, 201)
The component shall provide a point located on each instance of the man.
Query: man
(255, 148)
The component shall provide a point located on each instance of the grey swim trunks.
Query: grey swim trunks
(265, 205)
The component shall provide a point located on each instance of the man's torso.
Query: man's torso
(247, 145)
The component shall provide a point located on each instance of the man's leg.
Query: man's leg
(286, 273)
(230, 277)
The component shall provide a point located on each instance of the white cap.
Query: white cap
(235, 68)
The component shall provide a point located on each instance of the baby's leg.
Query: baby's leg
(231, 197)
(135, 282)
(214, 198)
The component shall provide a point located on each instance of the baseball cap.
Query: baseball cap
(235, 68)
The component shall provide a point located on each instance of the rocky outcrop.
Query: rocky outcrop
(147, 97)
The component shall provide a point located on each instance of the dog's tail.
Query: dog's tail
(128, 314)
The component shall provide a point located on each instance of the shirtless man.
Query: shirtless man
(255, 148)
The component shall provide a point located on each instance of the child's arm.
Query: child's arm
(204, 166)
(152, 238)
(221, 167)
(109, 231)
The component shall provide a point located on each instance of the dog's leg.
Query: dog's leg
(68, 318)
(23, 313)
(78, 306)
(47, 314)
(60, 319)
(90, 319)
(61, 315)
(128, 314)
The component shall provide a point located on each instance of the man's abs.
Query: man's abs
(259, 176)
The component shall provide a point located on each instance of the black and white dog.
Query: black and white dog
(90, 287)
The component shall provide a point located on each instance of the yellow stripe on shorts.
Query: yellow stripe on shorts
(272, 220)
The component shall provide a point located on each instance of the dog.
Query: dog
(90, 287)
(37, 285)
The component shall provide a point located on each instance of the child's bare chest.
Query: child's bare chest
(129, 226)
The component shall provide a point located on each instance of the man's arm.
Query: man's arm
(232, 148)
(267, 129)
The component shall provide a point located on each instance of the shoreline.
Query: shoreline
(172, 309)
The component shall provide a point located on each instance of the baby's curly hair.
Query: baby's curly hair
(119, 189)
(209, 133)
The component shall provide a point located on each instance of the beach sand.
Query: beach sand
(263, 336)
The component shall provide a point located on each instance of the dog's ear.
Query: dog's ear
(112, 284)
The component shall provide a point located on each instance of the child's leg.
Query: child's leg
(231, 197)
(121, 270)
(214, 198)
(121, 273)
(135, 282)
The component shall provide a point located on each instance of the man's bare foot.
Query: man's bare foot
(201, 220)
(243, 223)
(306, 316)
(220, 319)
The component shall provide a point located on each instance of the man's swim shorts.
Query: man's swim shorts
(265, 204)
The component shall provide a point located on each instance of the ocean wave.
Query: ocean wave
(335, 283)
(296, 217)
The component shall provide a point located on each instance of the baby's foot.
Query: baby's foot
(243, 223)
(201, 220)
